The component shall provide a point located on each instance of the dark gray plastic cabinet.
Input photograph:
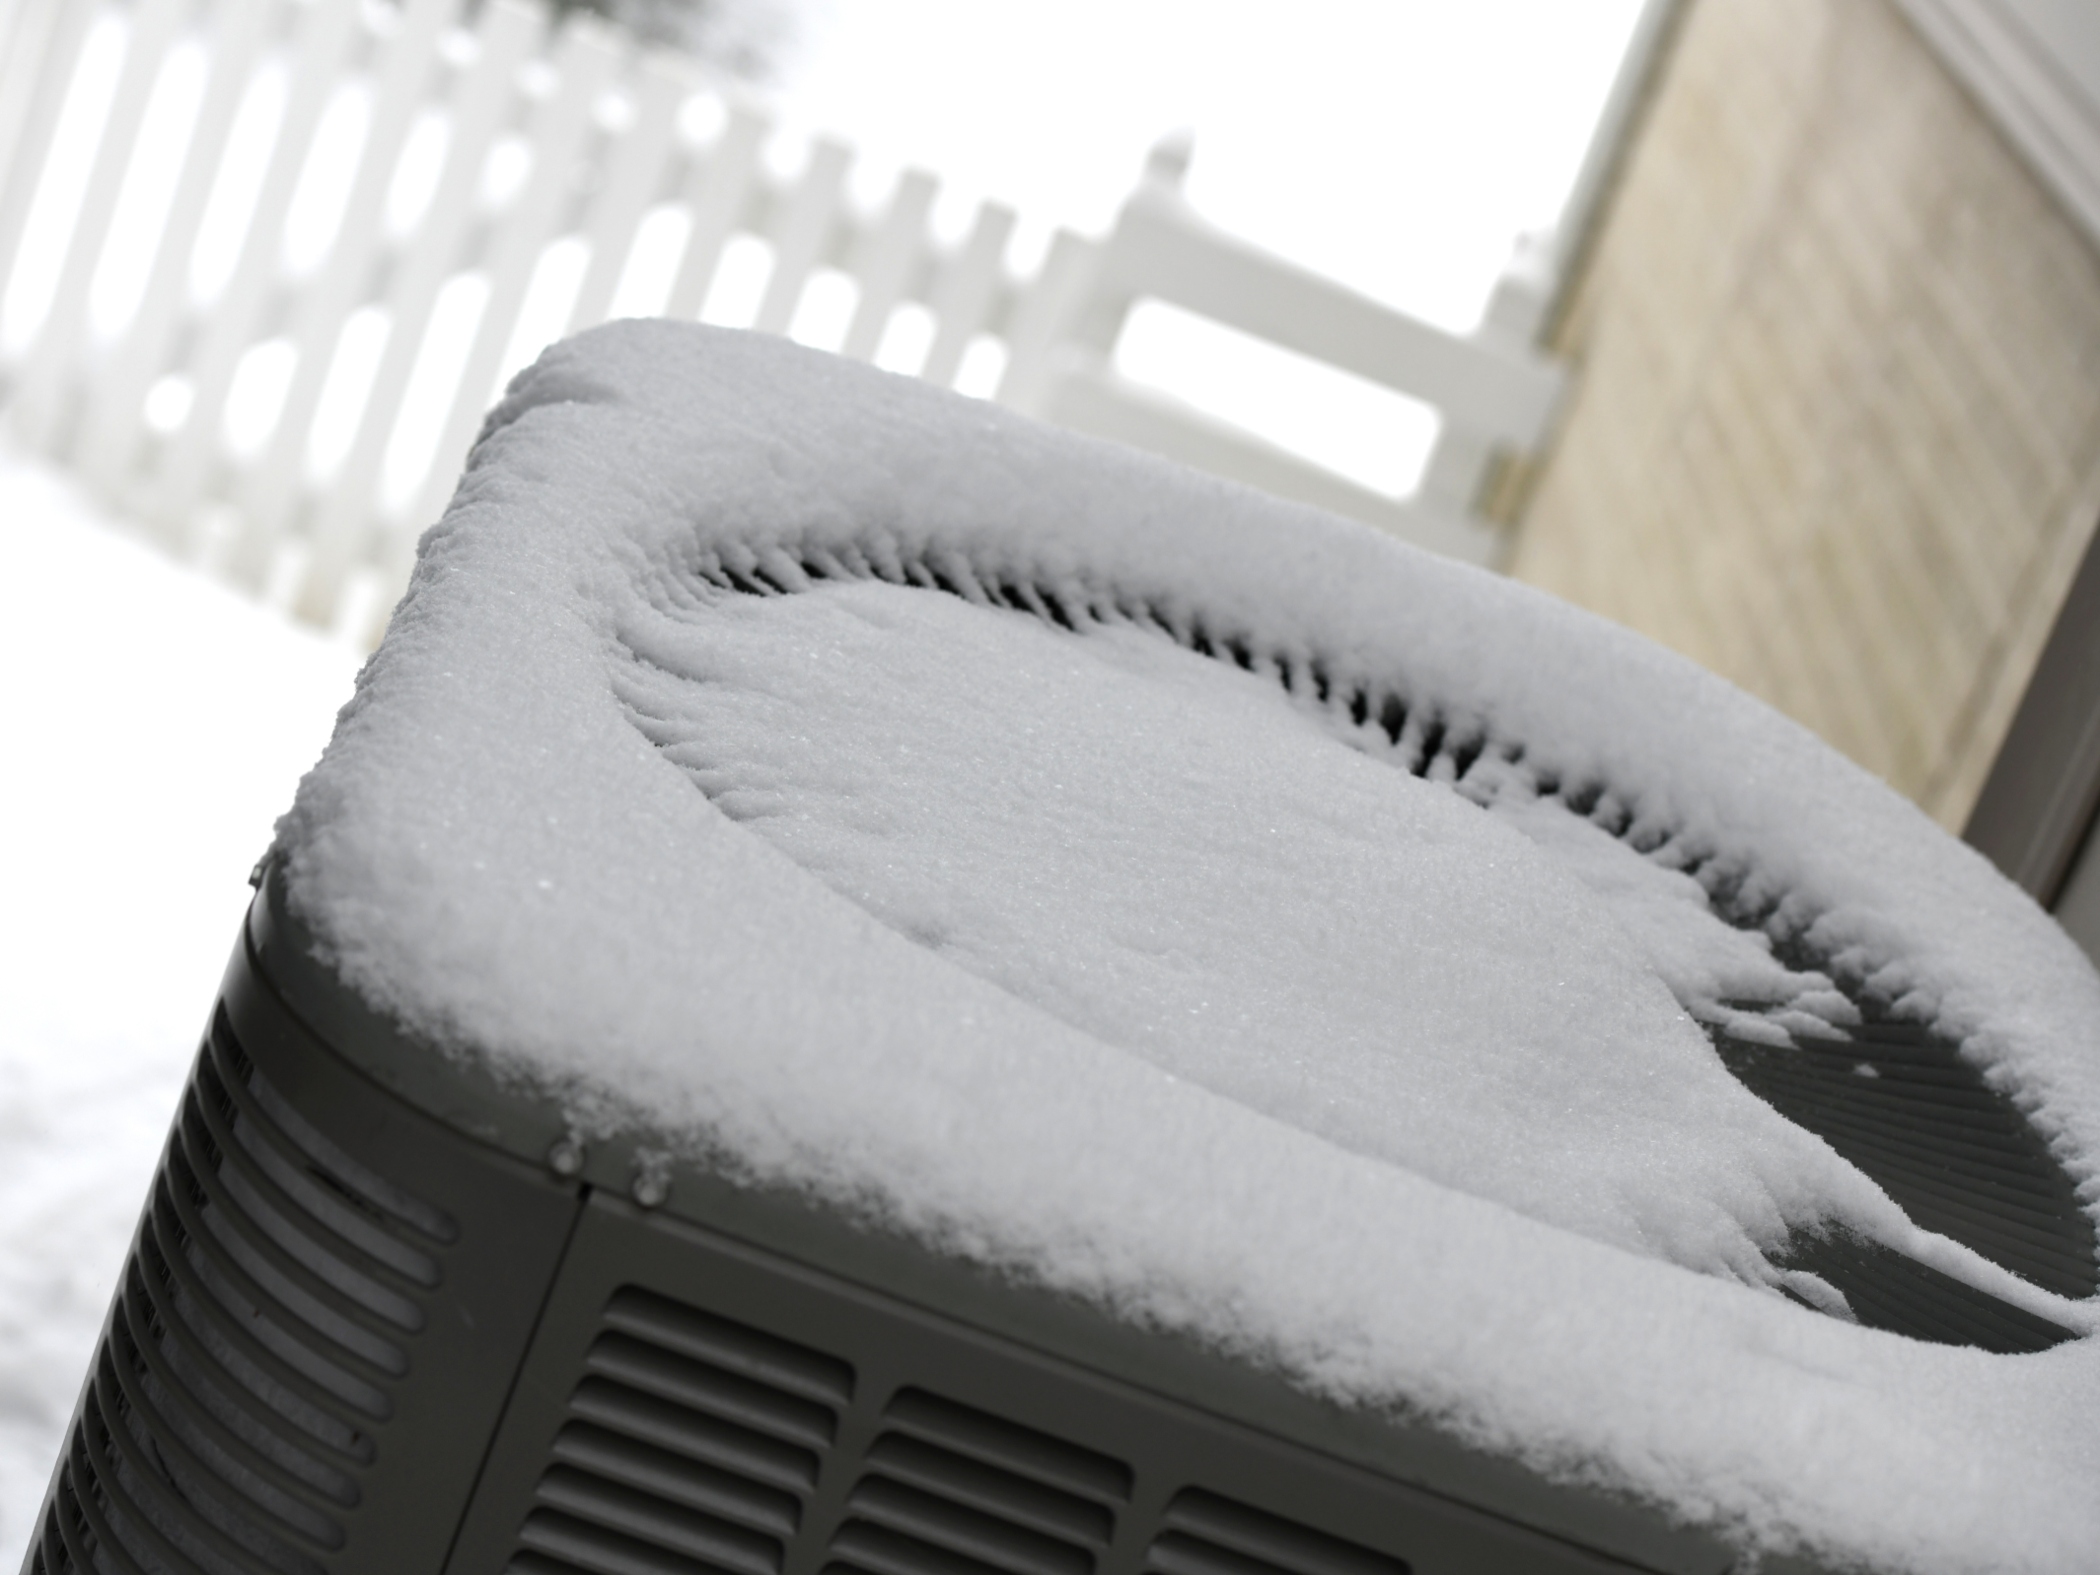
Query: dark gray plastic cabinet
(369, 1325)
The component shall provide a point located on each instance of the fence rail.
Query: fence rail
(296, 422)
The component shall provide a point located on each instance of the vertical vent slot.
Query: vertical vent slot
(691, 1445)
(1205, 1534)
(1009, 1446)
(365, 1190)
(948, 1490)
(231, 1408)
(762, 1358)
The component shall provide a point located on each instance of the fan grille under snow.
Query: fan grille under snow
(1894, 1097)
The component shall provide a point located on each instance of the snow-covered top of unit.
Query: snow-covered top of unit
(996, 834)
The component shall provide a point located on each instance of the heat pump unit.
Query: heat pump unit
(673, 1109)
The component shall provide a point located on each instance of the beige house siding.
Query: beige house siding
(1836, 431)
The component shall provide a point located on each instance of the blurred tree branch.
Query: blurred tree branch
(746, 39)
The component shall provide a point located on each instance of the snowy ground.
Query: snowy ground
(155, 727)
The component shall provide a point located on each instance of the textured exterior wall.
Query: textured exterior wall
(1837, 427)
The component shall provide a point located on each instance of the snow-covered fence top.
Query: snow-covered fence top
(315, 235)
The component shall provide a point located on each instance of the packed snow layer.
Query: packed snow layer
(155, 725)
(1146, 845)
(1145, 977)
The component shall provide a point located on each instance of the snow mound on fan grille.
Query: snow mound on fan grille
(1116, 967)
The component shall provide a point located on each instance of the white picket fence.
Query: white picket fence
(296, 421)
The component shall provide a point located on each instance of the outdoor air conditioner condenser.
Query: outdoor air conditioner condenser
(399, 1302)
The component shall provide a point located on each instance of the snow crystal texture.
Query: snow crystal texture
(1022, 838)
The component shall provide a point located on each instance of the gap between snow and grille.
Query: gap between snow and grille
(293, 413)
(1460, 751)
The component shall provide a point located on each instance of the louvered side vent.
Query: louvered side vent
(691, 1444)
(1204, 1534)
(263, 1316)
(947, 1490)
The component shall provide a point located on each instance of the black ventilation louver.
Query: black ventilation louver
(947, 1489)
(868, 1436)
(1205, 1534)
(266, 1398)
(262, 1325)
(691, 1444)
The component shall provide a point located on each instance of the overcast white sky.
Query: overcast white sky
(1400, 146)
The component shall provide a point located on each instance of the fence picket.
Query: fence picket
(320, 51)
(1163, 250)
(113, 428)
(1463, 457)
(43, 48)
(802, 234)
(507, 34)
(638, 174)
(322, 306)
(718, 191)
(584, 62)
(890, 263)
(55, 363)
(1043, 318)
(1457, 465)
(964, 292)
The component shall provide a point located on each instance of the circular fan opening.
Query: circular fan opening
(1891, 1094)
